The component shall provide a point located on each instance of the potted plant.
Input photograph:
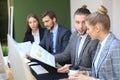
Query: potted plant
(5, 50)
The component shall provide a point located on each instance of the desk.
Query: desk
(52, 75)
(10, 76)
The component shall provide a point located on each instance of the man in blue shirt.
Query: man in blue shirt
(60, 35)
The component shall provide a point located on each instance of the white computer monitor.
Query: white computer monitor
(3, 73)
(19, 68)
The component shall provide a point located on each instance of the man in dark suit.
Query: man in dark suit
(60, 35)
(55, 40)
(79, 52)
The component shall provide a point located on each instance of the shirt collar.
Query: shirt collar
(84, 36)
(35, 34)
(103, 42)
(55, 29)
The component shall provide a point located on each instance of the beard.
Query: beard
(82, 33)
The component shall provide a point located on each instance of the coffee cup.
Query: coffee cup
(73, 70)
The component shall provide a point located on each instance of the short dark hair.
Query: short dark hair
(50, 13)
(82, 11)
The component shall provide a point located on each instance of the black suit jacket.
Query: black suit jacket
(63, 36)
(29, 37)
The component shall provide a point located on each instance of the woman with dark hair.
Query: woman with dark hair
(34, 31)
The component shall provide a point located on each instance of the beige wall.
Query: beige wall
(116, 18)
(92, 5)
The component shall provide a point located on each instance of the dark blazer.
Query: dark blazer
(29, 37)
(63, 36)
(86, 55)
(109, 60)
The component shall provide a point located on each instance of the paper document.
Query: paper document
(42, 55)
(39, 69)
(25, 47)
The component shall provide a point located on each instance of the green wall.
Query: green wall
(3, 20)
(23, 7)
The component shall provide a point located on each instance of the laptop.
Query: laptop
(3, 73)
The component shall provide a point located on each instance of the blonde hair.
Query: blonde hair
(101, 17)
(102, 10)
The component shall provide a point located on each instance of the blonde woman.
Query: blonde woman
(106, 63)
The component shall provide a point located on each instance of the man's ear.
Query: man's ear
(54, 19)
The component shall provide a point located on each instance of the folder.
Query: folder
(40, 54)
